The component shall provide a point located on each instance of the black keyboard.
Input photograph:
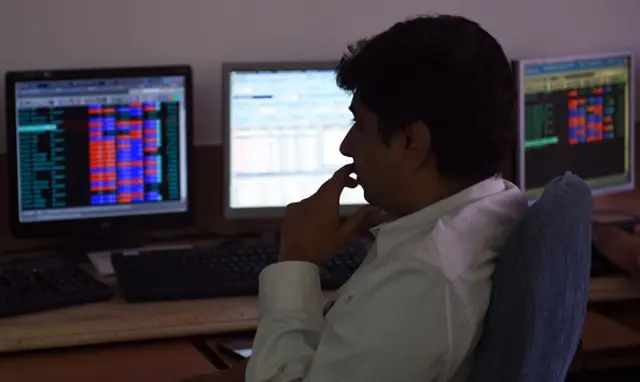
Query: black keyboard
(35, 284)
(213, 272)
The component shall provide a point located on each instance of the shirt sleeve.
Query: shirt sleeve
(399, 327)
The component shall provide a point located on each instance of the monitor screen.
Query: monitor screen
(576, 115)
(100, 147)
(284, 133)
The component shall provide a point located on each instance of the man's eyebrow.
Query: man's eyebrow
(352, 109)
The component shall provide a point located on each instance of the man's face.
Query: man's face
(377, 166)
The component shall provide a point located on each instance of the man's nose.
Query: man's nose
(345, 146)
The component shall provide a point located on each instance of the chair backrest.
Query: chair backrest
(540, 290)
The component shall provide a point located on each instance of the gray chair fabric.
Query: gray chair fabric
(540, 290)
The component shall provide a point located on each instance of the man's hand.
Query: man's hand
(312, 230)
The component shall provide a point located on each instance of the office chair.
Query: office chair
(540, 290)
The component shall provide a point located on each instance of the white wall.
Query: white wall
(47, 34)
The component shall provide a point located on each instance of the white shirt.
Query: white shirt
(412, 312)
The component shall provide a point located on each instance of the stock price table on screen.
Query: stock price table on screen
(576, 118)
(99, 155)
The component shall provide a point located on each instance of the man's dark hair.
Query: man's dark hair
(447, 72)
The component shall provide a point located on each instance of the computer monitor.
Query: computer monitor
(576, 114)
(94, 151)
(282, 131)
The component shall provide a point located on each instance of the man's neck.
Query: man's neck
(420, 196)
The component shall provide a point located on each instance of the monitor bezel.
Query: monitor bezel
(129, 224)
(227, 69)
(519, 66)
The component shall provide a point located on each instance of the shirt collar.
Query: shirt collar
(391, 234)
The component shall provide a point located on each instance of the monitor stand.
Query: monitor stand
(94, 239)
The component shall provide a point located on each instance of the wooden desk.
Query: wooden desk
(604, 289)
(610, 339)
(117, 321)
(158, 362)
(175, 361)
(602, 332)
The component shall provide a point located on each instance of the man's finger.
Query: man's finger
(351, 182)
(365, 218)
(340, 179)
(344, 171)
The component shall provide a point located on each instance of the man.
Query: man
(434, 116)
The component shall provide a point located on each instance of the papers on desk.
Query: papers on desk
(101, 260)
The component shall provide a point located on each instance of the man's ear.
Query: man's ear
(418, 143)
